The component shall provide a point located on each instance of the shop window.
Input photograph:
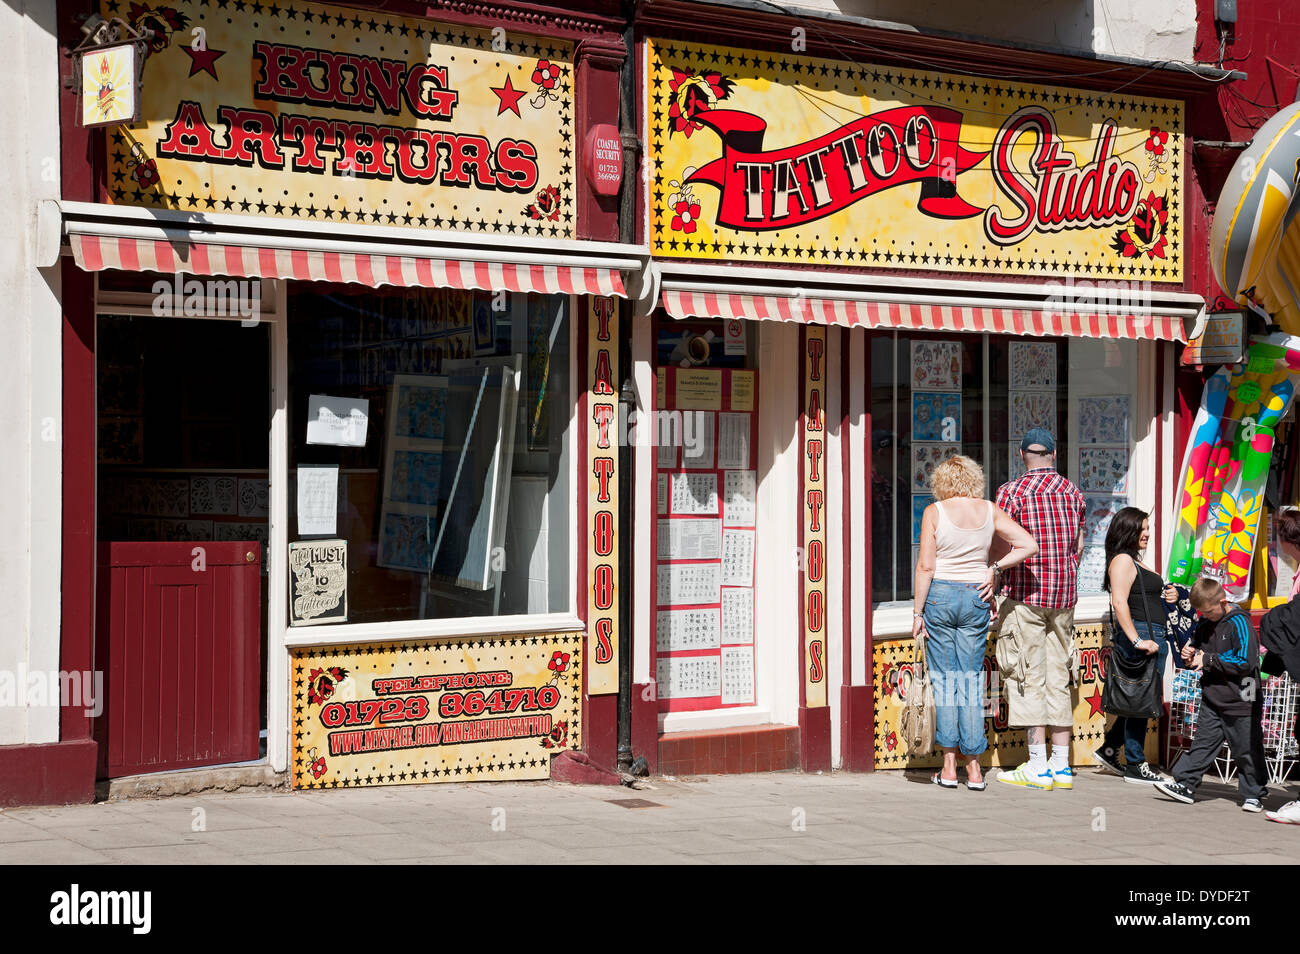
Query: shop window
(934, 396)
(458, 501)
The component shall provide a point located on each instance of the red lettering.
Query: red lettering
(814, 456)
(602, 414)
(603, 468)
(603, 534)
(427, 95)
(516, 165)
(815, 501)
(602, 306)
(188, 135)
(815, 346)
(603, 589)
(815, 410)
(815, 671)
(604, 639)
(310, 135)
(816, 561)
(469, 162)
(603, 383)
(251, 127)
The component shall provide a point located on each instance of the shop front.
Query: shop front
(899, 263)
(340, 360)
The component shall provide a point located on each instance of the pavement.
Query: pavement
(770, 818)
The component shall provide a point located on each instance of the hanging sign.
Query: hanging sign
(332, 114)
(792, 159)
(110, 80)
(460, 711)
(1223, 341)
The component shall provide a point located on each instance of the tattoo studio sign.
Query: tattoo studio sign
(305, 111)
(788, 158)
(448, 712)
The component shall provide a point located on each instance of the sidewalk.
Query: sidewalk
(882, 818)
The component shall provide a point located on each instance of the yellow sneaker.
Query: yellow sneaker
(1022, 777)
(1063, 779)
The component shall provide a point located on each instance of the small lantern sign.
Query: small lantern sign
(109, 67)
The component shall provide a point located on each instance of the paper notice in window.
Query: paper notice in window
(690, 539)
(695, 493)
(318, 500)
(337, 420)
(678, 678)
(738, 492)
(698, 440)
(742, 390)
(666, 455)
(733, 441)
(737, 674)
(661, 493)
(698, 390)
(737, 615)
(682, 630)
(687, 584)
(738, 557)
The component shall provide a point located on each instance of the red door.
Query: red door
(177, 638)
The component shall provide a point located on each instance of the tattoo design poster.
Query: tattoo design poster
(1033, 366)
(936, 365)
(1101, 508)
(1104, 419)
(936, 416)
(1029, 409)
(919, 503)
(1103, 470)
(925, 458)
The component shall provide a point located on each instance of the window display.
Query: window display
(454, 498)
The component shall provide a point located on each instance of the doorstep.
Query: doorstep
(761, 748)
(223, 778)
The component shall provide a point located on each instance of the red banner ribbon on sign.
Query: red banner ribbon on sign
(787, 187)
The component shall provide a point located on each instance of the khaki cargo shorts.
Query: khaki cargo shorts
(1034, 650)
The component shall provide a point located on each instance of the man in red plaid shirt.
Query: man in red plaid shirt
(1036, 640)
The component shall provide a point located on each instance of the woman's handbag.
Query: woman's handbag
(1132, 688)
(916, 723)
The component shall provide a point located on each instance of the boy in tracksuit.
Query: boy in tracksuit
(1226, 651)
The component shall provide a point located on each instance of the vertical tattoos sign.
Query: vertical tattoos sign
(814, 516)
(602, 495)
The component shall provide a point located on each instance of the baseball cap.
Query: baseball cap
(1038, 437)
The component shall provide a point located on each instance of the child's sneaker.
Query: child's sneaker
(1062, 778)
(1143, 774)
(1288, 814)
(1176, 791)
(1022, 777)
(1252, 805)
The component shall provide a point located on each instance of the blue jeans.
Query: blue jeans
(957, 621)
(1132, 733)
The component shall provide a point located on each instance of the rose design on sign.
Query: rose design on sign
(1157, 154)
(143, 169)
(316, 763)
(545, 205)
(558, 738)
(322, 682)
(163, 21)
(693, 94)
(683, 205)
(545, 76)
(1145, 234)
(559, 662)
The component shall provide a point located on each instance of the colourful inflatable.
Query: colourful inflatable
(1254, 250)
(1226, 464)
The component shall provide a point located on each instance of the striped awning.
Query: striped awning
(97, 252)
(853, 313)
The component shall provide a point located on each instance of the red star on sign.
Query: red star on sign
(509, 97)
(1094, 703)
(205, 60)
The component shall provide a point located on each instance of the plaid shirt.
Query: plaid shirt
(1051, 508)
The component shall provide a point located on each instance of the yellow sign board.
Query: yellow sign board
(332, 114)
(892, 661)
(108, 86)
(483, 708)
(790, 159)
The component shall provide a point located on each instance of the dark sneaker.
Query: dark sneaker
(1252, 805)
(1110, 759)
(1142, 774)
(1179, 793)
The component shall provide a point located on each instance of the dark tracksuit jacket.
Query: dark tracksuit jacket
(1231, 659)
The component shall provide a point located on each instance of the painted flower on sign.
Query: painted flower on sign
(545, 205)
(145, 173)
(1145, 234)
(559, 662)
(1158, 156)
(694, 93)
(321, 683)
(163, 21)
(1156, 142)
(546, 74)
(558, 738)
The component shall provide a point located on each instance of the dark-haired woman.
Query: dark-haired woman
(1137, 596)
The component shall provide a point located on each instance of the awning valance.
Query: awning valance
(96, 252)
(910, 316)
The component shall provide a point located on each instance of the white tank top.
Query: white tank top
(962, 555)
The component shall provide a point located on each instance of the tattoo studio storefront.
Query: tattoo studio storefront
(863, 268)
(347, 530)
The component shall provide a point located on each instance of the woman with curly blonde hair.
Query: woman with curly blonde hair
(954, 586)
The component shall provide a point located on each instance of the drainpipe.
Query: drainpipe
(627, 396)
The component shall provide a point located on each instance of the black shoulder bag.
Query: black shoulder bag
(1132, 688)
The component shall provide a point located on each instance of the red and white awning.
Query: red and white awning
(97, 252)
(850, 313)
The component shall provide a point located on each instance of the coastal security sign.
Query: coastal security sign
(791, 159)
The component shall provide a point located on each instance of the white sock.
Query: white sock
(1037, 758)
(1060, 758)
